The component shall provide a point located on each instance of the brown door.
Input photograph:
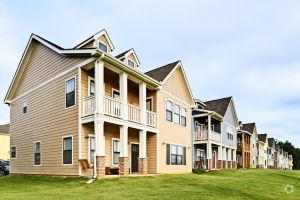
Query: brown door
(134, 157)
(214, 160)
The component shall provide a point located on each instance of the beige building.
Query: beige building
(4, 141)
(70, 108)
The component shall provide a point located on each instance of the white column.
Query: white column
(123, 95)
(208, 150)
(220, 153)
(142, 98)
(99, 137)
(123, 141)
(99, 82)
(229, 154)
(233, 155)
(224, 153)
(143, 144)
(209, 127)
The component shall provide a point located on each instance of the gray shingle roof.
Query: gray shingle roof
(270, 142)
(161, 73)
(249, 127)
(122, 54)
(262, 137)
(5, 128)
(219, 105)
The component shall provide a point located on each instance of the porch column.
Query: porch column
(100, 148)
(220, 162)
(229, 162)
(143, 161)
(123, 94)
(123, 159)
(243, 151)
(224, 162)
(208, 155)
(142, 103)
(99, 84)
(233, 158)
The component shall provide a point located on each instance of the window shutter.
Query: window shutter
(168, 154)
(184, 155)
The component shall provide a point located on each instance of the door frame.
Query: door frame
(215, 159)
(130, 154)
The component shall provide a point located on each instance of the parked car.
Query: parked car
(4, 167)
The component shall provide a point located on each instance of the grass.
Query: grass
(221, 184)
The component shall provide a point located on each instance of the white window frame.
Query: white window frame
(200, 150)
(182, 107)
(34, 143)
(65, 94)
(179, 114)
(151, 103)
(89, 146)
(62, 148)
(89, 85)
(25, 101)
(171, 154)
(173, 112)
(112, 93)
(112, 150)
(15, 151)
(103, 45)
(128, 60)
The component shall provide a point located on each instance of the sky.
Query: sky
(245, 49)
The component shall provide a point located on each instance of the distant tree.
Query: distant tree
(295, 152)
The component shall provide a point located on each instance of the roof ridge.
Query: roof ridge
(218, 99)
(162, 66)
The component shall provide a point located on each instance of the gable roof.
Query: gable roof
(5, 128)
(161, 73)
(219, 105)
(127, 53)
(262, 137)
(249, 127)
(270, 142)
(122, 54)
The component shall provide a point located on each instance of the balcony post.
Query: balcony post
(143, 162)
(123, 94)
(220, 162)
(123, 159)
(224, 157)
(229, 162)
(142, 99)
(99, 83)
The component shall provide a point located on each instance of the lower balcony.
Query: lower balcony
(203, 136)
(115, 108)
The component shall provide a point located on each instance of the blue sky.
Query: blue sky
(245, 49)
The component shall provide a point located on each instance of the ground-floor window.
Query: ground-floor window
(13, 152)
(37, 153)
(67, 150)
(116, 151)
(92, 149)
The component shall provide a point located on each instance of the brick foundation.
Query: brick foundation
(233, 164)
(208, 164)
(224, 164)
(123, 166)
(219, 164)
(143, 166)
(100, 166)
(229, 164)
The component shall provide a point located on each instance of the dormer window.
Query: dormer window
(130, 63)
(103, 47)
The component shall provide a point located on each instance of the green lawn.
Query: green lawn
(222, 184)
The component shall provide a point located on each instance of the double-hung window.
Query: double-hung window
(130, 63)
(103, 47)
(67, 150)
(183, 117)
(176, 155)
(13, 152)
(177, 114)
(24, 107)
(92, 86)
(37, 153)
(169, 111)
(70, 92)
(92, 149)
(116, 151)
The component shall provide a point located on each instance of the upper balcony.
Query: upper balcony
(203, 136)
(243, 146)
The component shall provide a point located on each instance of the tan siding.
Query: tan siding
(43, 65)
(86, 129)
(47, 121)
(88, 45)
(133, 93)
(177, 86)
(131, 57)
(103, 40)
(151, 152)
(111, 80)
(84, 83)
(152, 93)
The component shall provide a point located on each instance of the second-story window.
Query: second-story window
(103, 47)
(92, 87)
(177, 114)
(130, 63)
(229, 133)
(183, 116)
(24, 107)
(70, 92)
(169, 111)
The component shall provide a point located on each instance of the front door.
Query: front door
(214, 160)
(134, 157)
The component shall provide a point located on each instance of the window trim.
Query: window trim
(24, 107)
(112, 93)
(171, 154)
(89, 145)
(103, 45)
(89, 85)
(166, 109)
(128, 60)
(180, 106)
(112, 150)
(34, 143)
(179, 114)
(62, 148)
(66, 93)
(15, 152)
(151, 98)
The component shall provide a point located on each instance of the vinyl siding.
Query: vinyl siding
(111, 80)
(47, 121)
(4, 146)
(176, 86)
(151, 152)
(88, 45)
(103, 40)
(43, 65)
(230, 119)
(133, 93)
(152, 93)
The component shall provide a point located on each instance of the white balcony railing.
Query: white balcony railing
(134, 113)
(203, 135)
(260, 152)
(112, 107)
(151, 118)
(89, 105)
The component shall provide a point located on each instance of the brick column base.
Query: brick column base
(208, 164)
(233, 164)
(229, 165)
(123, 166)
(100, 166)
(143, 166)
(220, 164)
(224, 164)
